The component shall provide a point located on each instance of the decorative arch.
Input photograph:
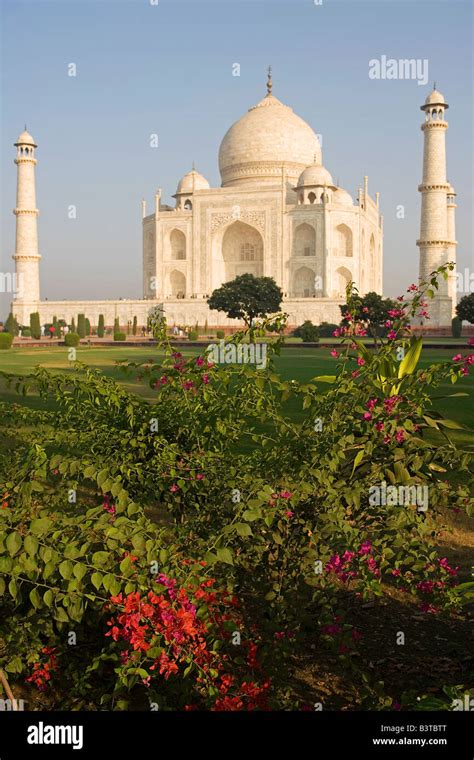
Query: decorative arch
(304, 283)
(177, 284)
(342, 280)
(343, 240)
(177, 245)
(304, 241)
(242, 251)
(188, 206)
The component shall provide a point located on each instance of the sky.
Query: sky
(165, 67)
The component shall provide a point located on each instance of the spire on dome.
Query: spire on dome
(269, 81)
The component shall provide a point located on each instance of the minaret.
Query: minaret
(435, 245)
(26, 249)
(451, 251)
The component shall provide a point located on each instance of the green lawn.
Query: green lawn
(299, 364)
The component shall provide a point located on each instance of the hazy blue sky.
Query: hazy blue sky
(167, 69)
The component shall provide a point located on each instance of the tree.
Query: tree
(81, 325)
(11, 325)
(88, 326)
(116, 325)
(465, 308)
(247, 297)
(101, 326)
(308, 332)
(372, 310)
(73, 325)
(134, 328)
(35, 325)
(456, 327)
(56, 330)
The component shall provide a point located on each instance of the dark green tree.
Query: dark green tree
(465, 308)
(73, 325)
(116, 325)
(247, 297)
(11, 325)
(101, 326)
(456, 327)
(88, 326)
(308, 332)
(135, 325)
(35, 325)
(81, 325)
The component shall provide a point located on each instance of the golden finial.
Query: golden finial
(269, 81)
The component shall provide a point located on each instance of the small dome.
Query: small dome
(314, 175)
(451, 190)
(192, 181)
(25, 139)
(342, 197)
(435, 98)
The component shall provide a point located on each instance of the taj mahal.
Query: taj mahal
(278, 213)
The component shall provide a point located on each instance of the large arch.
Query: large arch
(177, 245)
(342, 278)
(242, 251)
(177, 284)
(343, 240)
(304, 240)
(304, 283)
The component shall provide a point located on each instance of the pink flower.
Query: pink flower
(174, 488)
(356, 373)
(392, 335)
(205, 379)
(348, 556)
(365, 309)
(289, 514)
(360, 361)
(412, 288)
(400, 436)
(199, 476)
(285, 494)
(429, 608)
(188, 384)
(367, 416)
(388, 323)
(396, 572)
(379, 426)
(365, 547)
(199, 361)
(470, 342)
(371, 403)
(457, 358)
(334, 353)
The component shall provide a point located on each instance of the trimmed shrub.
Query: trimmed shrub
(88, 326)
(120, 336)
(135, 324)
(456, 327)
(35, 325)
(81, 325)
(326, 329)
(6, 340)
(193, 335)
(116, 325)
(308, 332)
(73, 325)
(26, 332)
(11, 325)
(72, 339)
(101, 326)
(220, 334)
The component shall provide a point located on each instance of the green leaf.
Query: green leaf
(324, 379)
(358, 459)
(48, 597)
(66, 569)
(13, 588)
(61, 615)
(225, 555)
(96, 580)
(252, 514)
(13, 543)
(100, 558)
(243, 529)
(40, 526)
(408, 364)
(35, 598)
(31, 545)
(80, 570)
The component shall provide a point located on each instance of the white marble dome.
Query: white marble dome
(25, 139)
(269, 136)
(192, 181)
(435, 98)
(315, 175)
(342, 198)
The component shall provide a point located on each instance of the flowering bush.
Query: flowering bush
(116, 509)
